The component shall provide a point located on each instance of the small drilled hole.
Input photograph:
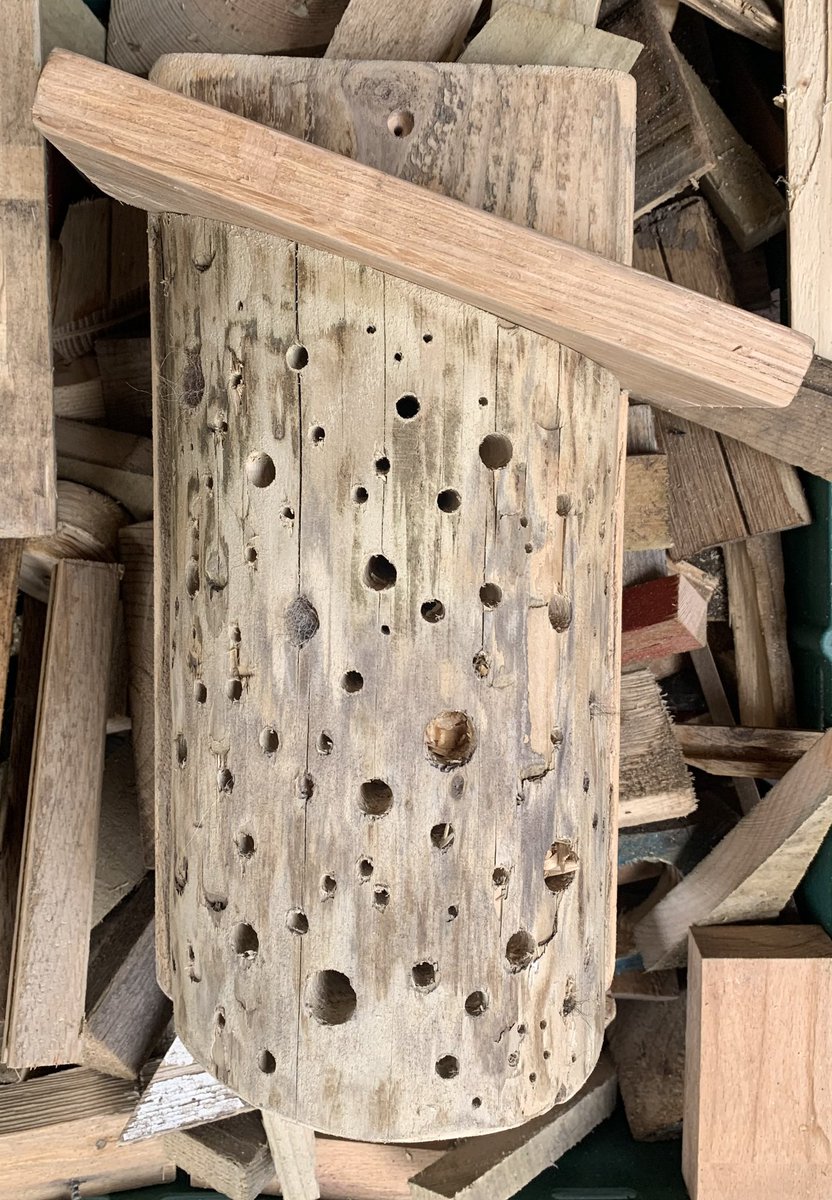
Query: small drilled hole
(447, 1067)
(385, 629)
(192, 576)
(449, 500)
(528, 547)
(407, 407)
(521, 1030)
(524, 521)
(220, 1019)
(560, 867)
(381, 897)
(398, 356)
(360, 495)
(495, 451)
(520, 949)
(442, 836)
(379, 574)
(375, 798)
(490, 595)
(225, 780)
(476, 1102)
(234, 689)
(330, 998)
(499, 877)
(371, 328)
(365, 868)
(427, 338)
(297, 357)
(543, 1024)
(547, 1054)
(324, 742)
(450, 740)
(560, 612)
(246, 941)
(352, 681)
(383, 465)
(476, 1003)
(266, 1062)
(317, 434)
(432, 611)
(423, 975)
(453, 912)
(200, 691)
(269, 740)
(297, 922)
(181, 751)
(483, 402)
(287, 513)
(260, 470)
(329, 886)
(251, 554)
(400, 123)
(245, 845)
(532, 1078)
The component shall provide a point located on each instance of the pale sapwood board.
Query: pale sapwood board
(51, 940)
(558, 42)
(752, 20)
(436, 34)
(653, 782)
(584, 11)
(136, 552)
(647, 1045)
(752, 872)
(758, 1109)
(129, 137)
(27, 485)
(741, 751)
(293, 1155)
(466, 357)
(140, 32)
(646, 509)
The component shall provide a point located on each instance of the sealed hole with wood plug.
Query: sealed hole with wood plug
(560, 612)
(450, 740)
(375, 797)
(330, 997)
(560, 867)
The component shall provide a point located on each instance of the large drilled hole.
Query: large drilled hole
(234, 689)
(490, 595)
(297, 922)
(375, 797)
(450, 740)
(200, 691)
(360, 495)
(449, 500)
(520, 949)
(379, 574)
(324, 743)
(266, 1062)
(330, 997)
(297, 357)
(407, 407)
(329, 886)
(225, 780)
(352, 681)
(246, 941)
(381, 896)
(365, 869)
(260, 469)
(400, 123)
(245, 845)
(476, 1003)
(560, 612)
(269, 740)
(447, 1067)
(499, 877)
(432, 611)
(560, 866)
(495, 451)
(383, 465)
(423, 975)
(442, 836)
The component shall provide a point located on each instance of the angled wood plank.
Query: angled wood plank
(136, 551)
(630, 323)
(558, 42)
(293, 1155)
(231, 1156)
(583, 11)
(663, 616)
(647, 1045)
(743, 751)
(756, 20)
(51, 943)
(436, 35)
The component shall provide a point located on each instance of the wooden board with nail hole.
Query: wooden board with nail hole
(355, 832)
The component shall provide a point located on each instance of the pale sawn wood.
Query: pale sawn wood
(230, 1156)
(753, 19)
(558, 42)
(743, 751)
(583, 11)
(292, 1149)
(381, 29)
(646, 508)
(647, 1044)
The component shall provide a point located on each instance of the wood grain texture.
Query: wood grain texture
(126, 389)
(648, 986)
(758, 753)
(77, 390)
(646, 509)
(45, 1003)
(494, 1167)
(758, 1117)
(118, 464)
(755, 20)
(583, 11)
(558, 42)
(753, 871)
(230, 1156)
(653, 783)
(293, 1154)
(119, 864)
(477, 883)
(436, 35)
(672, 148)
(136, 553)
(661, 617)
(88, 525)
(647, 1045)
(139, 33)
(127, 135)
(73, 26)
(27, 486)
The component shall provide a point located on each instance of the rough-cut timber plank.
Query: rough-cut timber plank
(672, 148)
(757, 610)
(646, 512)
(51, 941)
(136, 551)
(293, 1154)
(661, 617)
(436, 35)
(754, 20)
(120, 862)
(758, 1111)
(753, 871)
(496, 1166)
(647, 1044)
(64, 1128)
(653, 783)
(230, 1156)
(140, 32)
(308, 294)
(740, 751)
(661, 341)
(27, 484)
(558, 42)
(118, 464)
(584, 11)
(367, 1170)
(180, 1095)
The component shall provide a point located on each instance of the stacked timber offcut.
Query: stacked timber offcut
(400, 754)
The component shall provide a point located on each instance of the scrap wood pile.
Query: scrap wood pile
(325, 902)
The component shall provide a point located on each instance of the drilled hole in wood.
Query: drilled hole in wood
(453, 912)
(556, 737)
(375, 797)
(481, 664)
(547, 1054)
(246, 941)
(383, 465)
(528, 547)
(490, 595)
(234, 689)
(499, 877)
(287, 513)
(381, 896)
(269, 740)
(192, 576)
(329, 886)
(448, 501)
(520, 949)
(476, 1003)
(330, 997)
(360, 495)
(324, 745)
(427, 338)
(543, 1024)
(300, 621)
(220, 1019)
(564, 504)
(365, 869)
(260, 469)
(447, 1067)
(442, 836)
(423, 975)
(521, 1030)
(476, 1102)
(560, 612)
(266, 1062)
(371, 328)
(483, 402)
(432, 611)
(532, 1078)
(385, 629)
(297, 922)
(398, 356)
(215, 901)
(352, 681)
(251, 554)
(225, 780)
(297, 356)
(181, 751)
(245, 845)
(560, 867)
(306, 786)
(450, 740)
(407, 406)
(524, 521)
(379, 574)
(400, 123)
(317, 434)
(234, 635)
(180, 875)
(496, 451)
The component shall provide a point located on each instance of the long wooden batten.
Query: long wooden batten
(148, 147)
